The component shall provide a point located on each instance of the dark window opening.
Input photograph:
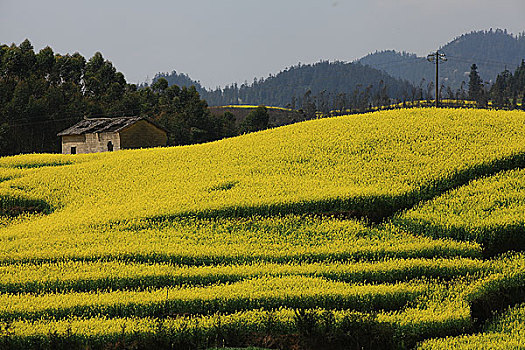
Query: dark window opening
(110, 146)
(73, 150)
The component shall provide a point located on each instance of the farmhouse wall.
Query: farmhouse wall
(142, 134)
(90, 143)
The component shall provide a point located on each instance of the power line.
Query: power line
(394, 62)
(112, 115)
(42, 122)
(436, 57)
(481, 61)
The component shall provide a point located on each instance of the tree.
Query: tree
(430, 88)
(475, 86)
(184, 114)
(226, 125)
(499, 92)
(104, 86)
(461, 93)
(450, 93)
(45, 61)
(256, 120)
(308, 105)
(322, 102)
(341, 103)
(160, 85)
(382, 94)
(519, 79)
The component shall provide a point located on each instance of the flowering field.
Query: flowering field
(505, 332)
(489, 210)
(378, 230)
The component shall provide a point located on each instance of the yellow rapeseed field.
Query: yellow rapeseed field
(371, 225)
(489, 210)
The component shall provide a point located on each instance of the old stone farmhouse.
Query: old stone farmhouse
(111, 134)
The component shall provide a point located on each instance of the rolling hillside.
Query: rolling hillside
(380, 230)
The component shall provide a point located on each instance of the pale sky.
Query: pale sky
(219, 42)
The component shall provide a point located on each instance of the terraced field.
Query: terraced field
(505, 332)
(489, 211)
(379, 230)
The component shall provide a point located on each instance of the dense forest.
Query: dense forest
(332, 84)
(378, 79)
(493, 51)
(43, 93)
(508, 89)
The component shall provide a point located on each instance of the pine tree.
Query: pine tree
(499, 91)
(256, 120)
(475, 86)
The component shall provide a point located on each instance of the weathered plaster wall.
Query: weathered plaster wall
(142, 134)
(90, 143)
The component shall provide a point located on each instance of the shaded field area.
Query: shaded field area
(488, 211)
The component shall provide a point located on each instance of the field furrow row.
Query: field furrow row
(267, 293)
(114, 275)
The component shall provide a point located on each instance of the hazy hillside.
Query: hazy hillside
(492, 51)
(179, 79)
(292, 83)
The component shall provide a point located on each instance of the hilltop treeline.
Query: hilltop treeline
(509, 88)
(491, 50)
(333, 83)
(369, 80)
(302, 85)
(43, 93)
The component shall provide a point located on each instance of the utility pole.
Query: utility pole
(436, 57)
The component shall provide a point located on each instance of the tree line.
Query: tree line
(336, 87)
(43, 93)
(330, 81)
(491, 51)
(508, 91)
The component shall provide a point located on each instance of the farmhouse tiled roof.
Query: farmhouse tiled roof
(100, 125)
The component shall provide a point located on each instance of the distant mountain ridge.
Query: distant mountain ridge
(291, 85)
(397, 74)
(179, 79)
(492, 51)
